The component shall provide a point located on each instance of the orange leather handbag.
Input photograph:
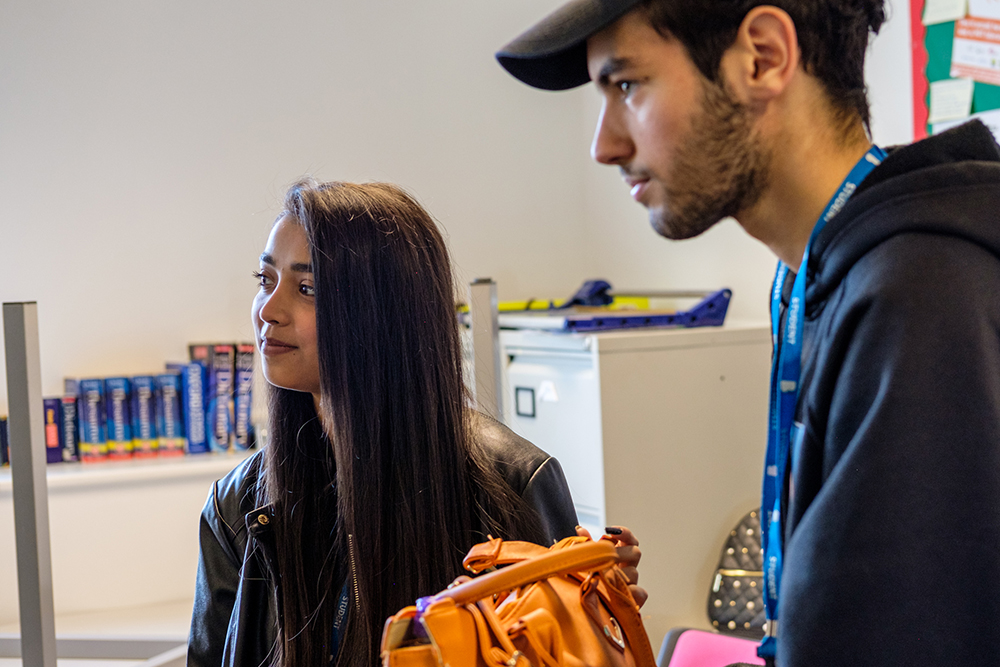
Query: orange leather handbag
(568, 605)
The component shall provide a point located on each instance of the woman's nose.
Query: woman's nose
(272, 309)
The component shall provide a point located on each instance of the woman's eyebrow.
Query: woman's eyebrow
(297, 267)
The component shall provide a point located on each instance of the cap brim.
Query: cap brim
(552, 55)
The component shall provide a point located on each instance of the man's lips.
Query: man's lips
(272, 346)
(638, 188)
(636, 184)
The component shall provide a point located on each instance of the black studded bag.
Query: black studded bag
(736, 601)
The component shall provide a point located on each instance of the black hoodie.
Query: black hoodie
(892, 539)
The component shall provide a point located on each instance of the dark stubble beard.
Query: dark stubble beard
(719, 169)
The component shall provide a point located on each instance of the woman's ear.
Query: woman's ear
(763, 58)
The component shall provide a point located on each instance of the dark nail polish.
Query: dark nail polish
(611, 530)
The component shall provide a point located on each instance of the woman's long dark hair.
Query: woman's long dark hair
(404, 490)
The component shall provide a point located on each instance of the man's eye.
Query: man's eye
(307, 290)
(626, 87)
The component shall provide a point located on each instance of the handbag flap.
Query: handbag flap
(499, 552)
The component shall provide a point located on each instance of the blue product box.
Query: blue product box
(4, 444)
(68, 438)
(51, 409)
(219, 427)
(169, 416)
(193, 401)
(119, 419)
(176, 367)
(143, 409)
(93, 441)
(243, 428)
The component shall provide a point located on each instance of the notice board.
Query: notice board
(956, 63)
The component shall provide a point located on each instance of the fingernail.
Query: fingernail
(611, 530)
(578, 526)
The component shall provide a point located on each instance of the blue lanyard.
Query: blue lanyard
(339, 616)
(785, 375)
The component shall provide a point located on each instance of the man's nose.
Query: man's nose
(611, 144)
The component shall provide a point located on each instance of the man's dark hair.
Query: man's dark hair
(833, 36)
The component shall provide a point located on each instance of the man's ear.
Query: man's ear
(763, 58)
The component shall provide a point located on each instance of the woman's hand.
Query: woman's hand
(628, 556)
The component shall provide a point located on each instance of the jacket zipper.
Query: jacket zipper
(354, 573)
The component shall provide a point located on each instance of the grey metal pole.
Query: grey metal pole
(27, 464)
(486, 369)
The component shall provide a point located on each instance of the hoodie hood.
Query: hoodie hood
(948, 184)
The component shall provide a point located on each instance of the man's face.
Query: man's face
(684, 146)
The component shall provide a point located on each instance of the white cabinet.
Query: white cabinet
(663, 431)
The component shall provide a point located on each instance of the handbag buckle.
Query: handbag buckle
(514, 658)
(614, 633)
(483, 556)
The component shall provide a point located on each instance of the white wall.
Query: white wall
(890, 82)
(144, 147)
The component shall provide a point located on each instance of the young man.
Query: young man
(882, 478)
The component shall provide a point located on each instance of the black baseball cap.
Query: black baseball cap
(552, 54)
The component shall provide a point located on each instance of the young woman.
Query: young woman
(377, 477)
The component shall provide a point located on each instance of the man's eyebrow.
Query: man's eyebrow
(612, 66)
(298, 267)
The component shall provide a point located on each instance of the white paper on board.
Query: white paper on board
(985, 9)
(951, 99)
(975, 53)
(990, 118)
(939, 11)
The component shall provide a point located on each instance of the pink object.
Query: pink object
(699, 648)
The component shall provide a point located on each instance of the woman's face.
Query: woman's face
(284, 310)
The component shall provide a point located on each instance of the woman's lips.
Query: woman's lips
(273, 346)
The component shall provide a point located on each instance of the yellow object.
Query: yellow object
(619, 303)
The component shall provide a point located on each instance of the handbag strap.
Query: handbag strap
(583, 557)
(631, 623)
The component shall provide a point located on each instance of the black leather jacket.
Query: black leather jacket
(234, 608)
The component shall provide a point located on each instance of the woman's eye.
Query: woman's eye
(626, 87)
(262, 279)
(307, 290)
